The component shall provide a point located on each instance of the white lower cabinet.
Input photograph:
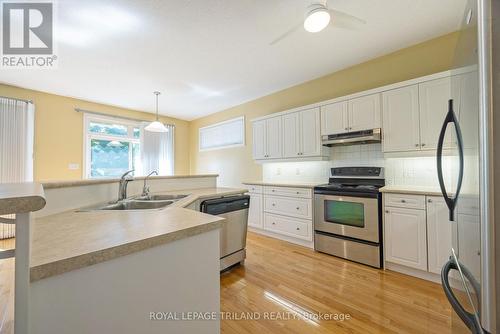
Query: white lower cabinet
(284, 212)
(255, 218)
(417, 231)
(405, 237)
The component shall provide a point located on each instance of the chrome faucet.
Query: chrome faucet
(124, 180)
(145, 188)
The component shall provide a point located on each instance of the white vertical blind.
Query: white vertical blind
(157, 151)
(16, 146)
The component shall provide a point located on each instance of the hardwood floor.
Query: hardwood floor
(281, 277)
(281, 280)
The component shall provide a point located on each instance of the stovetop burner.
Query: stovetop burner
(354, 179)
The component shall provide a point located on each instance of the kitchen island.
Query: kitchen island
(126, 271)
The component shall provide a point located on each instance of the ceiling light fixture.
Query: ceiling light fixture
(317, 18)
(156, 126)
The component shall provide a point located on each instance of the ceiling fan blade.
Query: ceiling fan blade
(286, 34)
(344, 20)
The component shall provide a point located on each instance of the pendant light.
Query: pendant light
(156, 126)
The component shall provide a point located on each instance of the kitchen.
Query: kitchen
(325, 196)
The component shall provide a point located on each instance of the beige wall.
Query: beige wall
(236, 164)
(59, 133)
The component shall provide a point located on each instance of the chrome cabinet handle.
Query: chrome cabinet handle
(297, 208)
(403, 201)
(298, 228)
(417, 145)
(274, 204)
(298, 193)
(429, 200)
(346, 129)
(273, 190)
(423, 144)
(386, 211)
(273, 223)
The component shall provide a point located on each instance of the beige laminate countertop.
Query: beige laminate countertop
(75, 183)
(415, 190)
(284, 184)
(21, 197)
(75, 239)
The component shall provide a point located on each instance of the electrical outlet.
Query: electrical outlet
(278, 171)
(73, 166)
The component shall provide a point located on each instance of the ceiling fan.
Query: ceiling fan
(318, 16)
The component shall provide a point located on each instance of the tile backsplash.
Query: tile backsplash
(415, 171)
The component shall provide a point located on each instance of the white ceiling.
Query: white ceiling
(208, 55)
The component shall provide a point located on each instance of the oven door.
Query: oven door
(353, 217)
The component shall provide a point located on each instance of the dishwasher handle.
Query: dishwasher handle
(223, 205)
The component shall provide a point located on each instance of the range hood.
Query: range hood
(353, 138)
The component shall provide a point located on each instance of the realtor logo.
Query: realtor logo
(27, 29)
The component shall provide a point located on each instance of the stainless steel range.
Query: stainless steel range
(347, 215)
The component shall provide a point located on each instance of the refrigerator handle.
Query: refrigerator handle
(468, 318)
(450, 118)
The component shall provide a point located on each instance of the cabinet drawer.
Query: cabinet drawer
(287, 191)
(293, 227)
(295, 207)
(405, 201)
(254, 189)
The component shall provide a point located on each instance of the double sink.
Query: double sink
(146, 202)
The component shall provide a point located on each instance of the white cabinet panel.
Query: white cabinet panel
(255, 189)
(440, 233)
(296, 207)
(469, 241)
(291, 135)
(288, 191)
(364, 113)
(310, 137)
(334, 118)
(407, 201)
(405, 237)
(433, 100)
(401, 119)
(292, 227)
(273, 138)
(259, 139)
(255, 211)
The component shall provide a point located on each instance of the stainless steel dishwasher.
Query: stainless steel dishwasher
(233, 234)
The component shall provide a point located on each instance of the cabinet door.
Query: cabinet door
(364, 113)
(440, 233)
(400, 118)
(310, 138)
(291, 135)
(255, 211)
(433, 100)
(274, 138)
(405, 237)
(259, 139)
(334, 118)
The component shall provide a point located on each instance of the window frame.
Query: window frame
(242, 118)
(88, 136)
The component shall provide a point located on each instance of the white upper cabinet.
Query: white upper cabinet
(440, 233)
(273, 138)
(301, 134)
(401, 131)
(364, 113)
(267, 137)
(334, 118)
(291, 137)
(259, 139)
(433, 99)
(310, 137)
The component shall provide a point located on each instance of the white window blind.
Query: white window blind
(225, 134)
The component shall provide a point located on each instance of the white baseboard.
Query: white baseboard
(413, 272)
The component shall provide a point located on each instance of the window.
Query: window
(112, 146)
(226, 134)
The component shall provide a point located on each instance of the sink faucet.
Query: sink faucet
(145, 188)
(124, 180)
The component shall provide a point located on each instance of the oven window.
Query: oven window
(345, 213)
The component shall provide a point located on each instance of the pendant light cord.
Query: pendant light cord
(157, 93)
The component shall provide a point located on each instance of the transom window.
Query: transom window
(112, 146)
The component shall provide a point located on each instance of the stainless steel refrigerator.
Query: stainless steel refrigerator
(466, 172)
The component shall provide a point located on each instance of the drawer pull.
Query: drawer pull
(273, 223)
(298, 193)
(298, 228)
(386, 211)
(273, 190)
(298, 208)
(429, 200)
(403, 201)
(274, 204)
